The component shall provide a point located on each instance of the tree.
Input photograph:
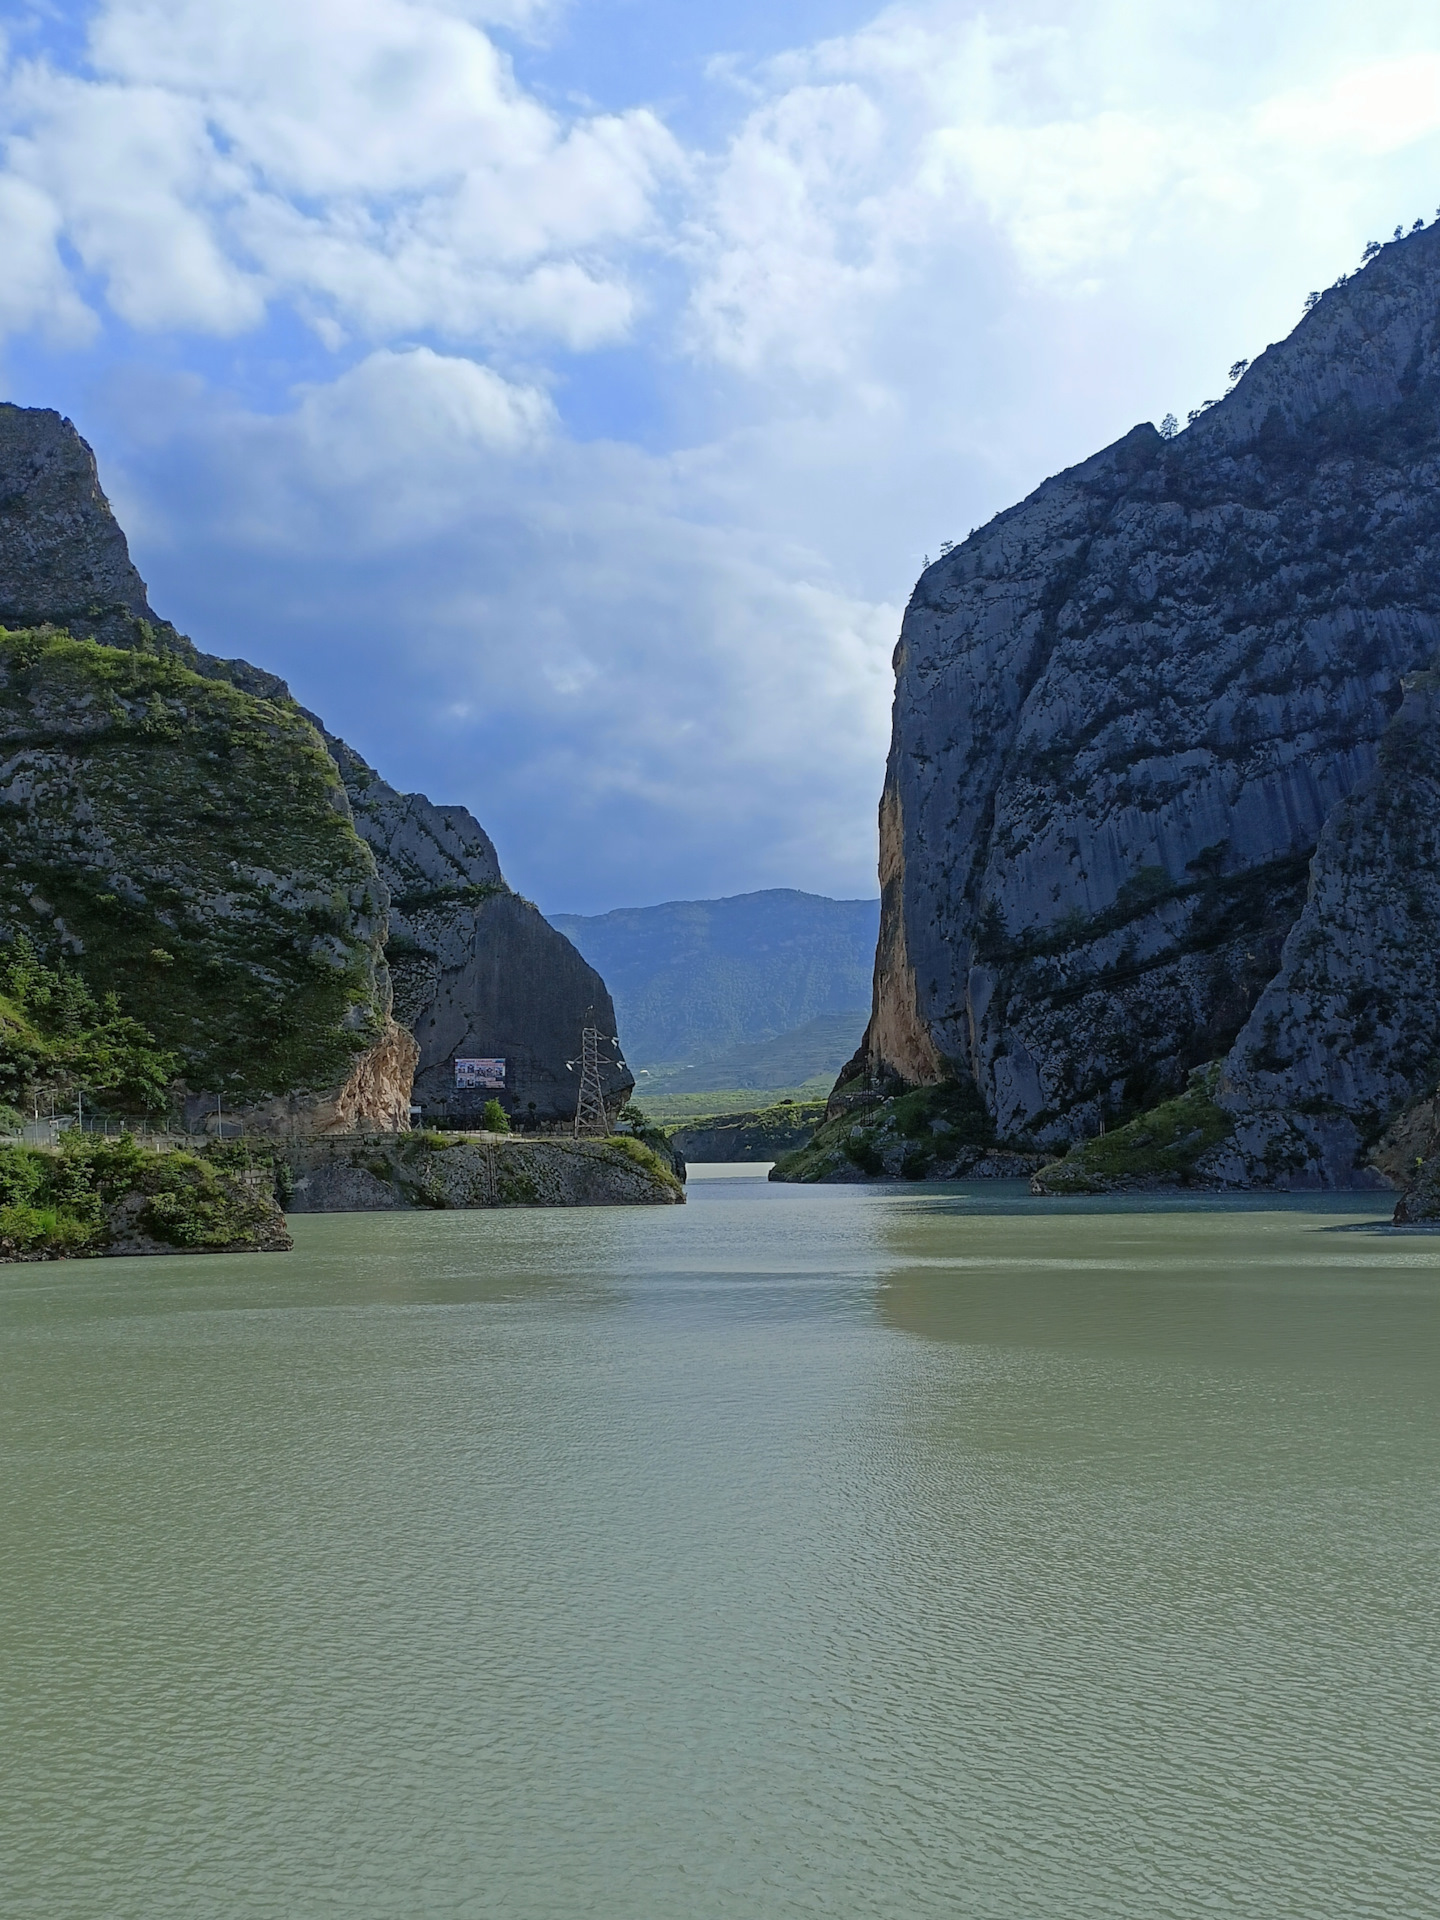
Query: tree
(1236, 371)
(1311, 300)
(57, 1039)
(1169, 427)
(495, 1117)
(1372, 247)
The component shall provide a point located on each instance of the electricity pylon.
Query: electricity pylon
(590, 1114)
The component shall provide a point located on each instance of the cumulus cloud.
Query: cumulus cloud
(917, 266)
(372, 161)
(868, 163)
(35, 289)
(576, 640)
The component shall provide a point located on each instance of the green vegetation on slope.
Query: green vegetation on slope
(57, 1040)
(814, 1052)
(1160, 1148)
(187, 847)
(673, 1109)
(761, 1134)
(96, 1196)
(905, 1134)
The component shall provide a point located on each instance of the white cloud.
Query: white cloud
(1374, 109)
(872, 164)
(925, 264)
(579, 641)
(373, 161)
(35, 289)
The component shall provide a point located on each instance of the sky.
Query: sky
(565, 394)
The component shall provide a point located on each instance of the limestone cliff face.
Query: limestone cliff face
(1125, 710)
(898, 1039)
(1347, 1035)
(191, 845)
(375, 1097)
(478, 972)
(64, 559)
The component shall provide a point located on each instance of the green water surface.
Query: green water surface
(798, 1552)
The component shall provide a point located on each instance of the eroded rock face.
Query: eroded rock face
(478, 972)
(1344, 1037)
(375, 1098)
(1124, 711)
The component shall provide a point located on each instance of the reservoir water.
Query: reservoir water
(801, 1551)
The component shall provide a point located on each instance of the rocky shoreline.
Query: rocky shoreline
(429, 1171)
(93, 1198)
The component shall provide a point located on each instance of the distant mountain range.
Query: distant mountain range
(815, 1051)
(705, 985)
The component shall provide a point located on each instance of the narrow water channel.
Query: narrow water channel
(798, 1552)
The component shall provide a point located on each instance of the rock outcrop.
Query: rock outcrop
(747, 1138)
(479, 973)
(191, 846)
(188, 847)
(1126, 709)
(420, 1171)
(65, 561)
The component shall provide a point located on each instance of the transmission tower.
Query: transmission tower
(590, 1114)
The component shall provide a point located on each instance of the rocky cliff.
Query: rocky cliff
(1126, 711)
(188, 847)
(479, 973)
(194, 842)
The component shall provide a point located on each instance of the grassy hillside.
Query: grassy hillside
(186, 847)
(667, 1109)
(816, 1051)
(693, 978)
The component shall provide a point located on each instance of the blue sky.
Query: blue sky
(564, 396)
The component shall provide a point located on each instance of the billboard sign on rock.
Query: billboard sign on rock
(479, 1073)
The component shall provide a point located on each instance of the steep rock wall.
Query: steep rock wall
(1346, 1037)
(1125, 708)
(479, 971)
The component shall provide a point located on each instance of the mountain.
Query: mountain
(1158, 801)
(815, 1051)
(694, 978)
(188, 839)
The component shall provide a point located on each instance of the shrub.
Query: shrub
(495, 1117)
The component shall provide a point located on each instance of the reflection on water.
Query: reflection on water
(843, 1552)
